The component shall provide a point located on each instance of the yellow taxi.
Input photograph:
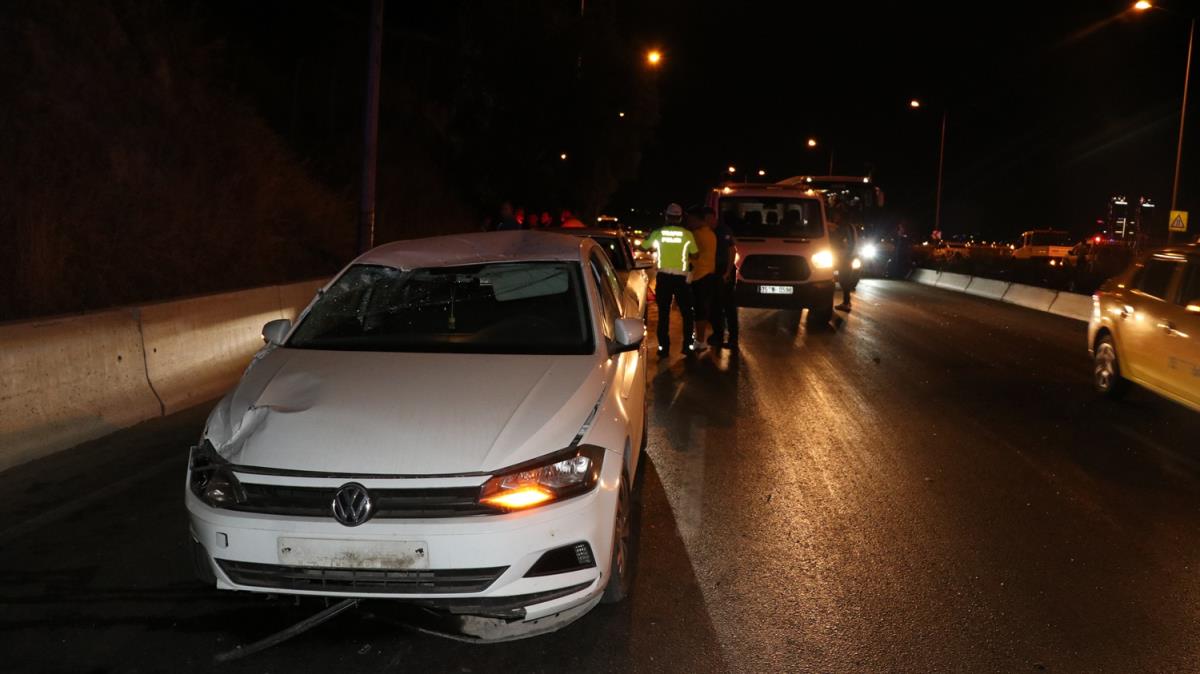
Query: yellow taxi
(1145, 327)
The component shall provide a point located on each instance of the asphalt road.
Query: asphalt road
(929, 485)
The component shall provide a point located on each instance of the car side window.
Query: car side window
(1189, 292)
(1155, 279)
(608, 300)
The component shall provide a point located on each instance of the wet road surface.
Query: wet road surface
(929, 485)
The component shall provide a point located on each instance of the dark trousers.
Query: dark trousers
(725, 311)
(666, 288)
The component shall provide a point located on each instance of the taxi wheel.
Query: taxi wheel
(620, 569)
(1106, 370)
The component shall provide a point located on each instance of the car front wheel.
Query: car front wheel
(1106, 370)
(620, 569)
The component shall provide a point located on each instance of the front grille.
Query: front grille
(426, 581)
(386, 503)
(775, 268)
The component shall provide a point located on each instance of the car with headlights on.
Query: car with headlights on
(785, 258)
(454, 422)
(1145, 327)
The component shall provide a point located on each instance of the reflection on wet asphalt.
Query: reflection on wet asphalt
(929, 484)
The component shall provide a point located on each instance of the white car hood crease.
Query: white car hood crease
(403, 413)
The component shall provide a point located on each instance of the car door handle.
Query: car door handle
(1169, 328)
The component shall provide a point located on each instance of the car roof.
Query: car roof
(477, 248)
(592, 231)
(764, 190)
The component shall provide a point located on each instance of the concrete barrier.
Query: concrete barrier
(925, 276)
(64, 381)
(197, 348)
(1072, 305)
(986, 287)
(953, 281)
(294, 297)
(1030, 297)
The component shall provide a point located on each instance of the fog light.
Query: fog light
(563, 560)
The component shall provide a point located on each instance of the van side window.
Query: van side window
(1189, 293)
(1156, 278)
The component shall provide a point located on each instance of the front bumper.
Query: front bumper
(476, 565)
(804, 295)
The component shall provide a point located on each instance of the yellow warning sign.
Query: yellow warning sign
(1178, 221)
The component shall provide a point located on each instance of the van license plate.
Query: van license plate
(776, 290)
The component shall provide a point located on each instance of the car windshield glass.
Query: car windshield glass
(1050, 239)
(772, 216)
(511, 307)
(616, 254)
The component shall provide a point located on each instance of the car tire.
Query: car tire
(621, 565)
(1106, 370)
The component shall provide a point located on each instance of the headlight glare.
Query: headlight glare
(823, 259)
(558, 477)
(868, 251)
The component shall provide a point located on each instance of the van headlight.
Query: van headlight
(211, 478)
(868, 251)
(554, 478)
(823, 259)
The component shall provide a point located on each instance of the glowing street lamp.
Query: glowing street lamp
(563, 156)
(654, 57)
(1142, 5)
(761, 172)
(732, 169)
(620, 114)
(812, 142)
(914, 103)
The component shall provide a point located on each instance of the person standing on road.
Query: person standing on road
(507, 220)
(843, 252)
(676, 247)
(724, 306)
(704, 270)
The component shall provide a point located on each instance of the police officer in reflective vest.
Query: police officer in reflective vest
(676, 248)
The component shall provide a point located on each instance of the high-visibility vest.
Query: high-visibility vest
(675, 244)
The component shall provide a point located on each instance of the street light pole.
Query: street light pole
(366, 215)
(1187, 75)
(937, 209)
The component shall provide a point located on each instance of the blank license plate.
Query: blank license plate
(353, 554)
(776, 290)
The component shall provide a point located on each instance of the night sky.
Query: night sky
(1053, 106)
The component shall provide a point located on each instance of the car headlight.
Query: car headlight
(554, 478)
(211, 478)
(823, 259)
(856, 263)
(868, 251)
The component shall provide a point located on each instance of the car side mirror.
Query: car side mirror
(628, 334)
(274, 332)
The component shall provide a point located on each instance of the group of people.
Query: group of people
(695, 272)
(509, 218)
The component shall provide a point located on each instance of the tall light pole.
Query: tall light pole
(1141, 6)
(370, 155)
(937, 208)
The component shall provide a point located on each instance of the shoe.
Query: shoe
(844, 306)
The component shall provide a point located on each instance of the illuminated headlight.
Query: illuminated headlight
(823, 259)
(1053, 263)
(637, 242)
(856, 263)
(868, 251)
(211, 479)
(560, 477)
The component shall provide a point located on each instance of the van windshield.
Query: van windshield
(1050, 239)
(773, 217)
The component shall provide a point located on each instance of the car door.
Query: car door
(627, 364)
(1182, 336)
(1144, 318)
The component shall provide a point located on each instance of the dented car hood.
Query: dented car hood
(403, 413)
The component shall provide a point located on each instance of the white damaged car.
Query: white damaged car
(456, 422)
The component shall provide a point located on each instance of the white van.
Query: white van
(784, 257)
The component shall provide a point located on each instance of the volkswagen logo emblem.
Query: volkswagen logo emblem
(352, 504)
